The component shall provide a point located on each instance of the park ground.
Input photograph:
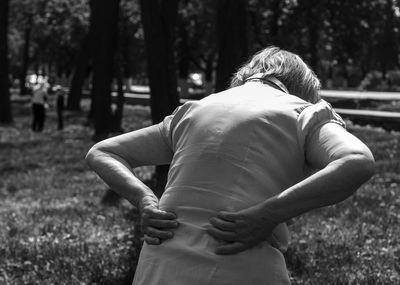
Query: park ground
(56, 230)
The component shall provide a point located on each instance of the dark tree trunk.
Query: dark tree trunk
(126, 52)
(78, 79)
(5, 103)
(313, 21)
(121, 58)
(313, 45)
(255, 20)
(232, 39)
(105, 28)
(159, 23)
(209, 67)
(25, 58)
(80, 73)
(183, 60)
(346, 76)
(83, 61)
(118, 114)
(388, 45)
(183, 49)
(274, 24)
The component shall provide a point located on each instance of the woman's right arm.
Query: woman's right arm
(344, 164)
(113, 160)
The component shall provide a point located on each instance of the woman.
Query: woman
(240, 169)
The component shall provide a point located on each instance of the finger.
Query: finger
(230, 248)
(152, 240)
(149, 201)
(153, 232)
(162, 224)
(223, 224)
(221, 235)
(159, 214)
(228, 216)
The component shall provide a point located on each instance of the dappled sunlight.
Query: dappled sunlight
(55, 225)
(357, 239)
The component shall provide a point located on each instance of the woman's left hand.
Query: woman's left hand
(238, 231)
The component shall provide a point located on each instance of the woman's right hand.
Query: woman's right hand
(157, 225)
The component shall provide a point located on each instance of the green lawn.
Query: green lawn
(55, 230)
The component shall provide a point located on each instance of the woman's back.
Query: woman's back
(244, 135)
(231, 150)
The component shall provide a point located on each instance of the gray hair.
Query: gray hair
(285, 66)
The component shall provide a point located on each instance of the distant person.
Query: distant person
(39, 99)
(240, 164)
(60, 104)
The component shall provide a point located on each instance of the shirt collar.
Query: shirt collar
(269, 80)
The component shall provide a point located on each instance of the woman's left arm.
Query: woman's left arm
(345, 163)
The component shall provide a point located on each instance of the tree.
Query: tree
(25, 56)
(197, 46)
(45, 35)
(127, 36)
(83, 60)
(131, 41)
(5, 103)
(105, 29)
(159, 23)
(22, 14)
(313, 23)
(232, 39)
(306, 29)
(352, 24)
(266, 25)
(183, 57)
(388, 40)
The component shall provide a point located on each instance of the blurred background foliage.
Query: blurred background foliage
(105, 46)
(343, 40)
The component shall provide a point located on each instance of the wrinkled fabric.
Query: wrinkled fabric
(232, 150)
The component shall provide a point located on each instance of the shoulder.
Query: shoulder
(319, 113)
(313, 117)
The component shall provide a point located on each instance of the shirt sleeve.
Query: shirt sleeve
(169, 123)
(165, 127)
(314, 117)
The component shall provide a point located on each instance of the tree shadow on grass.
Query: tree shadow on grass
(9, 167)
(112, 199)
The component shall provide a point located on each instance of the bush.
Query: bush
(374, 81)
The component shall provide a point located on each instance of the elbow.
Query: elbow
(368, 163)
(356, 169)
(364, 166)
(370, 167)
(91, 156)
(102, 154)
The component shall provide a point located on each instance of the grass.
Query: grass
(356, 241)
(55, 230)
